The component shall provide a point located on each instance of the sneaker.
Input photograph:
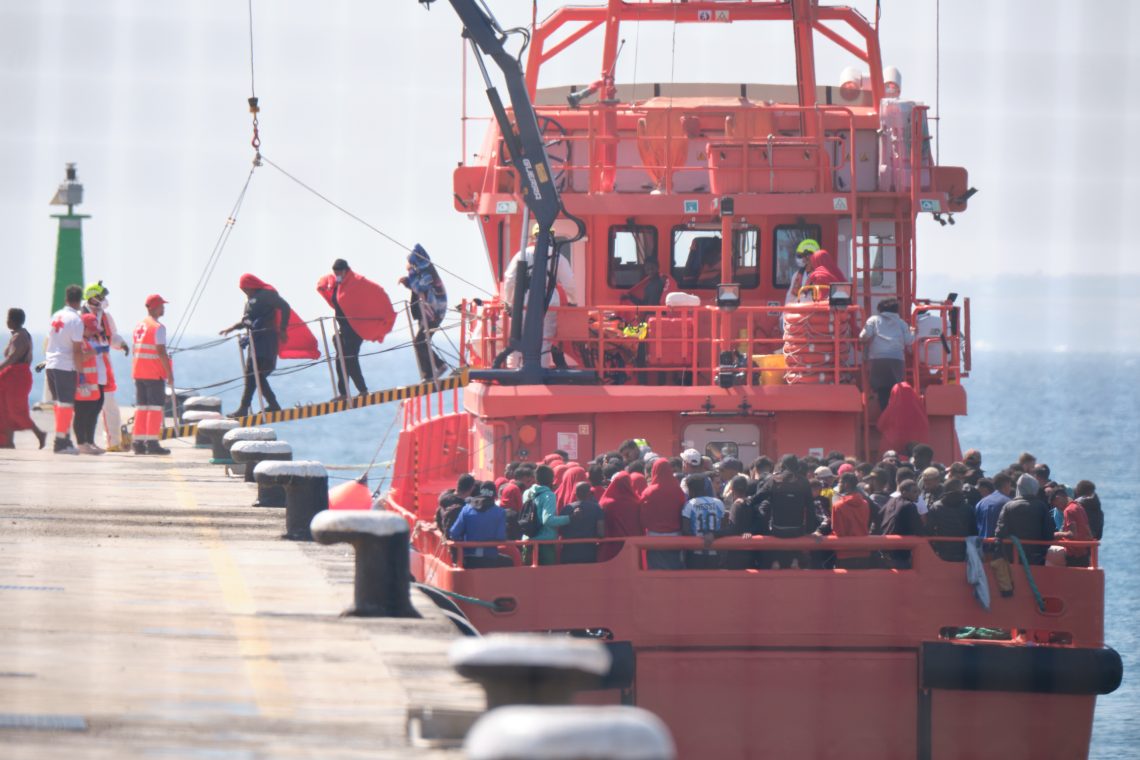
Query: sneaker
(64, 446)
(237, 414)
(152, 447)
(273, 408)
(139, 447)
(89, 448)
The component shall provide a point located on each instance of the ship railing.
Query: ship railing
(940, 355)
(908, 552)
(691, 346)
(700, 148)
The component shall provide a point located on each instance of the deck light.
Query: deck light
(728, 295)
(850, 83)
(892, 82)
(839, 295)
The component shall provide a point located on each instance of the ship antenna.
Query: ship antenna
(937, 81)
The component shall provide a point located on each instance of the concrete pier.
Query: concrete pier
(148, 610)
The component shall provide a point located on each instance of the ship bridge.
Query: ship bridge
(714, 186)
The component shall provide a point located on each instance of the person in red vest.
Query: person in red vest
(151, 370)
(109, 338)
(89, 391)
(363, 312)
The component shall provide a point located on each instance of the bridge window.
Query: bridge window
(696, 257)
(786, 238)
(630, 247)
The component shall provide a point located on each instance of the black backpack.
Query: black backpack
(529, 522)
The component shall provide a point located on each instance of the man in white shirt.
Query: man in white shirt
(564, 293)
(64, 357)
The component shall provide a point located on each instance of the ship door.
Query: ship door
(717, 440)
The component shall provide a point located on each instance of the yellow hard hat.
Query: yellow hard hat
(95, 290)
(807, 246)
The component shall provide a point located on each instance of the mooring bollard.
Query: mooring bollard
(245, 434)
(304, 486)
(203, 404)
(213, 432)
(188, 418)
(609, 732)
(530, 668)
(249, 454)
(380, 540)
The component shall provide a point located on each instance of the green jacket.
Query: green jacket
(548, 515)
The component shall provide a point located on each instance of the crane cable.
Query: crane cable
(219, 245)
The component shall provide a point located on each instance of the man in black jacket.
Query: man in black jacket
(1085, 493)
(900, 518)
(1028, 518)
(785, 510)
(951, 516)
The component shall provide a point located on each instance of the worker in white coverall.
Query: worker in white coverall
(564, 294)
(108, 338)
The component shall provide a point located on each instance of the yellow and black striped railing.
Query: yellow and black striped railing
(307, 411)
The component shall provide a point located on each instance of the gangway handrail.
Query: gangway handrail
(308, 411)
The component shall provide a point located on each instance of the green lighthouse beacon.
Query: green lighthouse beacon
(69, 248)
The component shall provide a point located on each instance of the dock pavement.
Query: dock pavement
(147, 610)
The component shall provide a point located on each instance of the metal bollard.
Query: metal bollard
(530, 668)
(203, 404)
(213, 433)
(249, 454)
(245, 434)
(305, 487)
(199, 417)
(380, 540)
(610, 732)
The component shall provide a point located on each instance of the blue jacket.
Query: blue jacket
(987, 511)
(474, 525)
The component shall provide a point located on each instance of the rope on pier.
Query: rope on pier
(307, 411)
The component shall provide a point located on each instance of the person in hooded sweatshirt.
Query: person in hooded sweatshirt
(1028, 518)
(951, 516)
(887, 339)
(481, 519)
(548, 518)
(429, 305)
(266, 317)
(586, 521)
(661, 505)
(1085, 494)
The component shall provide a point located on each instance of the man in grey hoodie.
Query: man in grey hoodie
(1027, 517)
(887, 339)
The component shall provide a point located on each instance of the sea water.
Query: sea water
(1078, 413)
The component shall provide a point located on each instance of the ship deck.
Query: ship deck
(150, 611)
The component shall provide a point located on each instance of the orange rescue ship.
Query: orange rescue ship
(720, 183)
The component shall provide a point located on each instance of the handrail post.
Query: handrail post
(341, 360)
(328, 356)
(256, 371)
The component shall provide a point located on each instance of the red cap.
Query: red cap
(90, 321)
(846, 467)
(155, 300)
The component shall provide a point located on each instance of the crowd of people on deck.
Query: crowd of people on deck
(636, 492)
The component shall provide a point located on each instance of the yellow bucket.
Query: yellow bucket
(772, 368)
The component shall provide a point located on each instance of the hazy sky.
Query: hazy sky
(360, 99)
